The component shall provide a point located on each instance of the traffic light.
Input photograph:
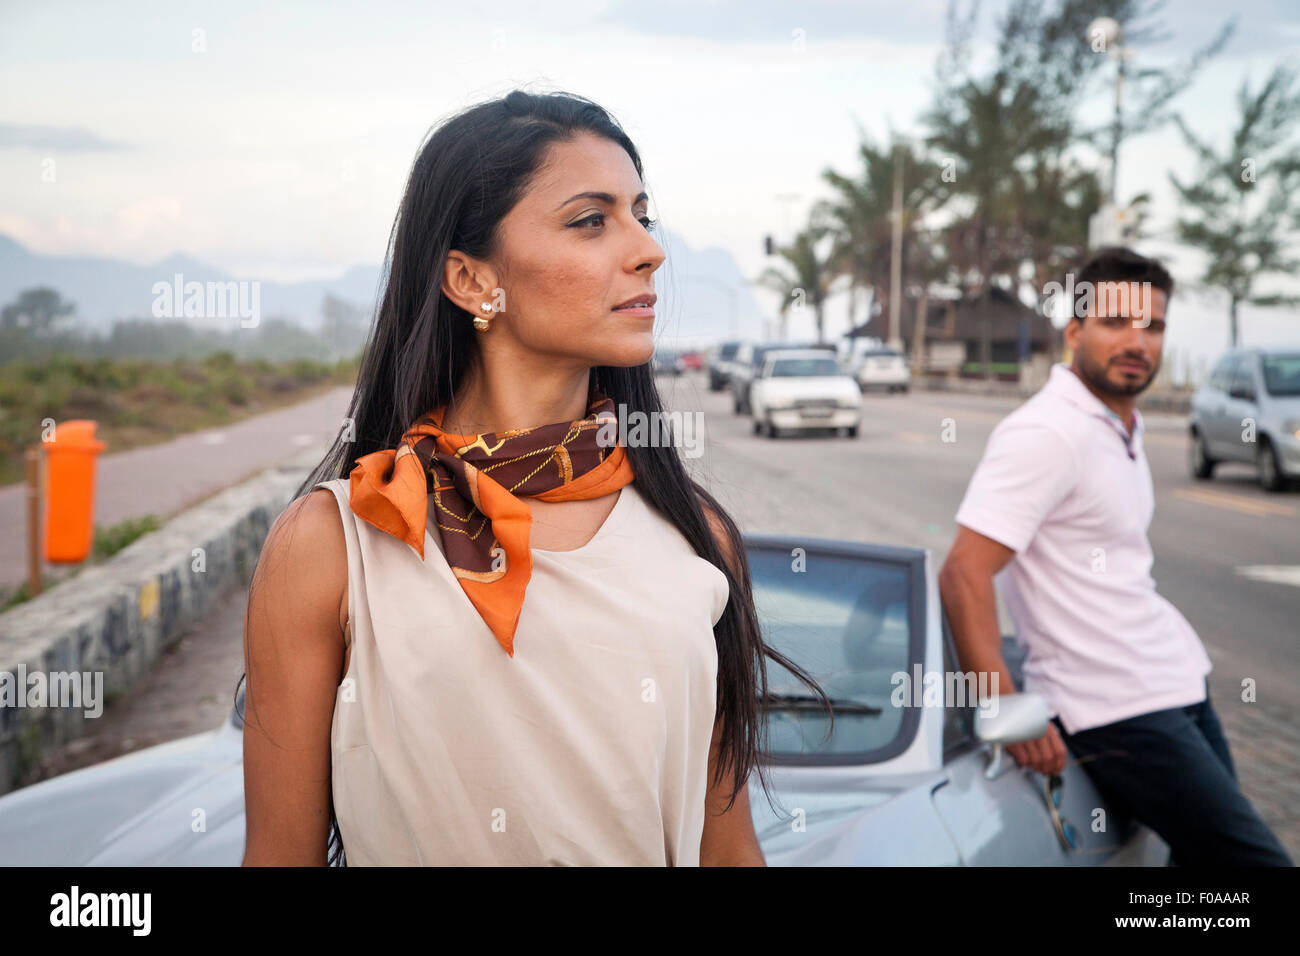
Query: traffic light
(767, 245)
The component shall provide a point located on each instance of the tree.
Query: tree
(1013, 134)
(37, 311)
(807, 282)
(1051, 203)
(1148, 92)
(342, 326)
(1243, 233)
(860, 217)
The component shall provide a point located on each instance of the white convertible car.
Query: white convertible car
(901, 780)
(799, 389)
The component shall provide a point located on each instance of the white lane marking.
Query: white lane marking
(1273, 573)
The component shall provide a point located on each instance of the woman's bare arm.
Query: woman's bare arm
(729, 838)
(293, 655)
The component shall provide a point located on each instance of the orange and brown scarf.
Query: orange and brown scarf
(476, 482)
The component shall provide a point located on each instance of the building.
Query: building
(990, 334)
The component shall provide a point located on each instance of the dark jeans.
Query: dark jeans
(1171, 770)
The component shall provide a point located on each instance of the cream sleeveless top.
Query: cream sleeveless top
(589, 747)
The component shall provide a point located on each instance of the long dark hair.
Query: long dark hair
(469, 173)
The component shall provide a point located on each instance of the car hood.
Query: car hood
(178, 804)
(879, 820)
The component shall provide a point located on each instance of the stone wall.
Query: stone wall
(106, 625)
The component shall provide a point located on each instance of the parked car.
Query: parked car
(720, 363)
(1249, 411)
(749, 362)
(801, 389)
(891, 785)
(884, 368)
(851, 349)
(692, 361)
(667, 362)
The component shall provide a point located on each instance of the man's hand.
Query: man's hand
(1046, 754)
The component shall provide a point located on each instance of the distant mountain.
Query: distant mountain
(108, 289)
(698, 290)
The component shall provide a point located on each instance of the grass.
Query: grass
(999, 368)
(143, 402)
(107, 542)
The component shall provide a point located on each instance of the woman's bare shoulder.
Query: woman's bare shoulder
(306, 551)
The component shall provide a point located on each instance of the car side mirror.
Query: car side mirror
(1245, 394)
(1010, 719)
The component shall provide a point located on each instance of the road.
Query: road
(899, 482)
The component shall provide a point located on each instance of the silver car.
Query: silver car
(902, 779)
(1249, 411)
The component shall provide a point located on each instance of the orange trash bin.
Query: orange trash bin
(70, 490)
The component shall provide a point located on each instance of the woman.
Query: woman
(404, 701)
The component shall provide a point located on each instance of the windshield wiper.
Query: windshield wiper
(811, 702)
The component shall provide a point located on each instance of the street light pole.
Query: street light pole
(1117, 127)
(1106, 226)
(893, 337)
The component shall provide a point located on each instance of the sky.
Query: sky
(273, 140)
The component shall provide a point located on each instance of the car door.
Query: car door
(738, 373)
(1214, 409)
(1004, 820)
(758, 398)
(1241, 412)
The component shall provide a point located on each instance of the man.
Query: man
(1062, 500)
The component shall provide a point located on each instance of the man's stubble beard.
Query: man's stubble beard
(1095, 376)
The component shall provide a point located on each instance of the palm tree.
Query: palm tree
(808, 279)
(984, 128)
(860, 216)
(1053, 202)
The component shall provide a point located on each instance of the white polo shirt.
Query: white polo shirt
(1064, 485)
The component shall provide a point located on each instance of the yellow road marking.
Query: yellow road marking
(1174, 441)
(915, 438)
(1250, 506)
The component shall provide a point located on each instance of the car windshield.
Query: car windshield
(1282, 374)
(793, 367)
(728, 350)
(882, 353)
(845, 620)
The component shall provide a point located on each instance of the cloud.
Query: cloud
(66, 138)
(919, 21)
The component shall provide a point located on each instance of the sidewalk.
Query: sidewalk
(167, 478)
(1177, 403)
